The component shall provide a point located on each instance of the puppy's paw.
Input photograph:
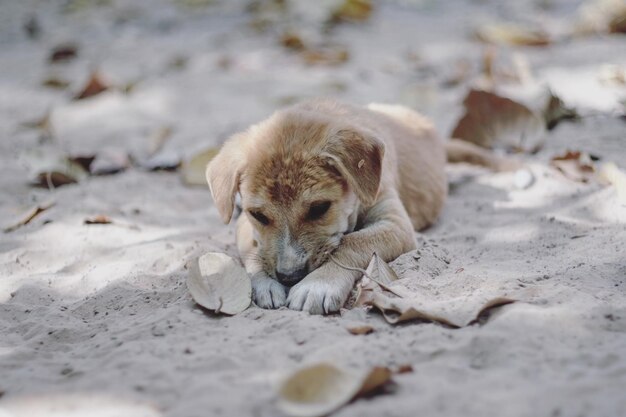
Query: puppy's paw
(318, 295)
(267, 292)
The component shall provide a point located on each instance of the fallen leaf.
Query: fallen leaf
(95, 85)
(512, 34)
(360, 330)
(28, 216)
(56, 83)
(63, 53)
(556, 111)
(99, 219)
(194, 168)
(610, 173)
(218, 283)
(323, 388)
(380, 271)
(491, 121)
(397, 310)
(352, 11)
(404, 369)
(575, 165)
(110, 161)
(334, 55)
(292, 41)
(50, 169)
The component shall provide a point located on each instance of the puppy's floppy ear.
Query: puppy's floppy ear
(358, 156)
(223, 174)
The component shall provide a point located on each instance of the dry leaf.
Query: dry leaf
(63, 53)
(321, 389)
(610, 173)
(99, 219)
(95, 85)
(491, 120)
(326, 56)
(397, 310)
(380, 271)
(556, 111)
(575, 165)
(109, 161)
(217, 282)
(404, 369)
(292, 41)
(352, 11)
(49, 169)
(28, 216)
(360, 330)
(194, 168)
(56, 83)
(511, 34)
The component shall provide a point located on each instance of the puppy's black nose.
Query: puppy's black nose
(292, 277)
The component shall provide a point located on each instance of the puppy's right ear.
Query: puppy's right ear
(223, 174)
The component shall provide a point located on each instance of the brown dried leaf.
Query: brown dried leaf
(360, 330)
(56, 83)
(575, 165)
(326, 56)
(28, 216)
(95, 85)
(99, 219)
(352, 11)
(292, 41)
(512, 34)
(63, 53)
(323, 388)
(491, 120)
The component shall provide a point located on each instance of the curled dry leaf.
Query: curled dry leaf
(492, 121)
(575, 165)
(321, 389)
(556, 111)
(99, 219)
(63, 53)
(51, 170)
(218, 283)
(512, 34)
(334, 55)
(194, 168)
(380, 271)
(360, 330)
(28, 216)
(95, 85)
(610, 173)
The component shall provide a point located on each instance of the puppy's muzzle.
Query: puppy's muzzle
(290, 278)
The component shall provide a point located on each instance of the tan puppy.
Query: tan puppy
(324, 178)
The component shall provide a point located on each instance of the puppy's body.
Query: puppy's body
(324, 178)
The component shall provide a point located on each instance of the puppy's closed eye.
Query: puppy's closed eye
(260, 217)
(318, 210)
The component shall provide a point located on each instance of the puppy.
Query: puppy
(323, 179)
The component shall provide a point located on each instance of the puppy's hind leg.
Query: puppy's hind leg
(462, 151)
(266, 292)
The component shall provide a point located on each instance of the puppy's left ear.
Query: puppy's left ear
(358, 156)
(223, 174)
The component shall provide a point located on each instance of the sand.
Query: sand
(96, 320)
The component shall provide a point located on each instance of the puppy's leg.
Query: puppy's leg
(387, 231)
(266, 292)
(462, 151)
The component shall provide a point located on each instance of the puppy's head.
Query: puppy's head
(302, 178)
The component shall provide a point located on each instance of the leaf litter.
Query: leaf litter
(28, 216)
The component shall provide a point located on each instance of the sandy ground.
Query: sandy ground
(96, 320)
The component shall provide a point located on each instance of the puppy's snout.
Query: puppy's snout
(290, 278)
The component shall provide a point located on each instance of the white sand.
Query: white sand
(97, 321)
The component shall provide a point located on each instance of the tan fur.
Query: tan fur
(381, 167)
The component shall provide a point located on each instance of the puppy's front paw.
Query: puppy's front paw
(266, 292)
(319, 295)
